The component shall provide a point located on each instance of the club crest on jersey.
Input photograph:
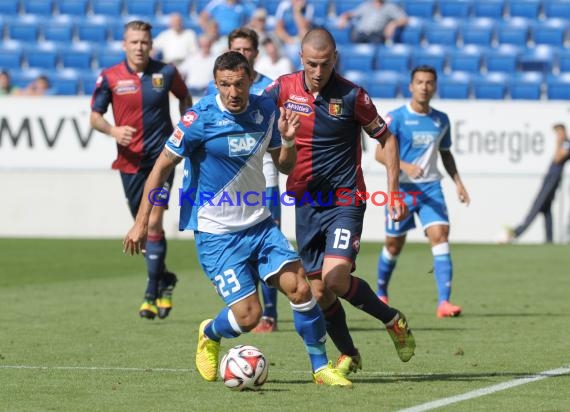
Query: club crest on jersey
(125, 87)
(301, 108)
(189, 118)
(176, 137)
(257, 117)
(157, 81)
(242, 144)
(335, 107)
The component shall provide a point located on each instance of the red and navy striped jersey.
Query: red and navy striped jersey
(328, 141)
(140, 102)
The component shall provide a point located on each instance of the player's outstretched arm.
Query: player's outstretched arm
(135, 239)
(449, 163)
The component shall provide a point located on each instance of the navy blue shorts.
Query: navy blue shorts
(328, 231)
(133, 185)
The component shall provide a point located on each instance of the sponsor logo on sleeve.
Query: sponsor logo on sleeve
(176, 137)
(189, 118)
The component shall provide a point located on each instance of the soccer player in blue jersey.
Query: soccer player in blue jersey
(333, 113)
(422, 133)
(225, 137)
(138, 89)
(246, 41)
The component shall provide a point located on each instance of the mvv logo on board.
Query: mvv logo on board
(35, 131)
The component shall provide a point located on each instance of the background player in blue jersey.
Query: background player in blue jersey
(333, 113)
(138, 89)
(225, 137)
(422, 133)
(246, 41)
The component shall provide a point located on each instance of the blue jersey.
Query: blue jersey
(259, 84)
(223, 190)
(421, 137)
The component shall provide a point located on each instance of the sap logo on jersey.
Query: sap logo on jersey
(242, 144)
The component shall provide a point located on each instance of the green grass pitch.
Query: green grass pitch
(71, 338)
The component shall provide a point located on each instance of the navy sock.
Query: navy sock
(269, 301)
(335, 318)
(361, 296)
(224, 325)
(154, 256)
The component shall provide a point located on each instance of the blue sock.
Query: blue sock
(154, 256)
(223, 326)
(269, 301)
(310, 324)
(442, 270)
(386, 265)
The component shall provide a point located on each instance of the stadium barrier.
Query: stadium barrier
(57, 180)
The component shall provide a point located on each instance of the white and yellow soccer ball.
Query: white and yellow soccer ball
(244, 367)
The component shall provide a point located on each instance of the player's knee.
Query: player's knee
(301, 292)
(249, 319)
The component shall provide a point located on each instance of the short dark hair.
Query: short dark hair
(559, 126)
(233, 61)
(244, 33)
(424, 68)
(138, 25)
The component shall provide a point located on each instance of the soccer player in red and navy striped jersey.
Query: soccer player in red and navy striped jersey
(138, 89)
(333, 112)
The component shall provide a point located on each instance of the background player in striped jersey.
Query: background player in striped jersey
(138, 89)
(422, 133)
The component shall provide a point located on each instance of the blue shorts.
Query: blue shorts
(274, 203)
(133, 185)
(428, 204)
(235, 261)
(328, 231)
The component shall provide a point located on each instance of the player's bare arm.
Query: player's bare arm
(412, 170)
(136, 237)
(286, 157)
(449, 163)
(397, 210)
(122, 134)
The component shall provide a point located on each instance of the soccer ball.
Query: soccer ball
(244, 367)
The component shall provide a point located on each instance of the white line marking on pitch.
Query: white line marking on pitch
(95, 368)
(488, 390)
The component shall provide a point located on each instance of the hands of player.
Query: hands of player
(289, 123)
(123, 134)
(397, 211)
(412, 170)
(462, 194)
(135, 240)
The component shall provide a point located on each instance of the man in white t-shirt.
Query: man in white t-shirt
(175, 43)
